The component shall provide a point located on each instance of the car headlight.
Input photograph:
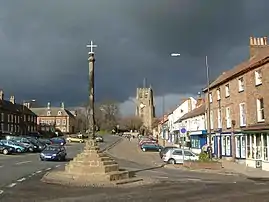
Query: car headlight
(53, 154)
(35, 147)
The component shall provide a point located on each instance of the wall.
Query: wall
(196, 123)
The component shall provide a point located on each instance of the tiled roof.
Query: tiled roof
(261, 58)
(196, 112)
(17, 108)
(53, 111)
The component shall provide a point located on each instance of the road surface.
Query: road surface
(19, 166)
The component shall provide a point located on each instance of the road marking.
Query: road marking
(162, 177)
(12, 185)
(1, 166)
(57, 166)
(22, 162)
(39, 171)
(21, 180)
(48, 169)
(1, 192)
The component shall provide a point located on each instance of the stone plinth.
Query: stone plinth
(91, 167)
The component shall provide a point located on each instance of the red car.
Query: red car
(146, 141)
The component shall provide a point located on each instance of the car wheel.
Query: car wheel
(144, 149)
(5, 151)
(171, 161)
(18, 150)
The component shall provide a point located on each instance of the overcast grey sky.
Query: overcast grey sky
(43, 46)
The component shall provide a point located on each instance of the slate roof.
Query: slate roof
(42, 111)
(17, 108)
(254, 62)
(196, 112)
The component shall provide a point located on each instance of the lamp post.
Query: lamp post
(163, 111)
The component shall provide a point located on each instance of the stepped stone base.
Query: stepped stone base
(90, 168)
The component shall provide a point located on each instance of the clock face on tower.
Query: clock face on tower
(142, 105)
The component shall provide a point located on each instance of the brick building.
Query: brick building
(56, 117)
(15, 118)
(239, 104)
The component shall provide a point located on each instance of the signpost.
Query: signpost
(183, 132)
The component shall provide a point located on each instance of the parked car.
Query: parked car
(17, 147)
(99, 139)
(6, 149)
(175, 156)
(39, 145)
(165, 149)
(25, 143)
(53, 152)
(78, 138)
(45, 141)
(58, 141)
(151, 147)
(147, 142)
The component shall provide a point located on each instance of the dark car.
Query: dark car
(6, 149)
(165, 149)
(58, 141)
(39, 146)
(53, 153)
(45, 141)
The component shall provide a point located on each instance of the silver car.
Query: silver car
(176, 156)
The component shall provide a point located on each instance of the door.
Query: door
(238, 146)
(177, 155)
(188, 156)
(243, 146)
(228, 146)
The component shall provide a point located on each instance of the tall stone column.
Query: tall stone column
(91, 95)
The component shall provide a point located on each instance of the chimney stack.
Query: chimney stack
(200, 101)
(12, 99)
(257, 44)
(1, 95)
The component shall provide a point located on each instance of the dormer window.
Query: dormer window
(258, 77)
(48, 113)
(241, 84)
(59, 113)
(227, 90)
(218, 94)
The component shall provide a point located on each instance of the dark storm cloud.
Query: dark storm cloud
(43, 44)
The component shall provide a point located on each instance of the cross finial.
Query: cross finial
(91, 46)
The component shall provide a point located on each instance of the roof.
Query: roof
(256, 61)
(53, 111)
(17, 108)
(196, 112)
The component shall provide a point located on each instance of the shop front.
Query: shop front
(198, 140)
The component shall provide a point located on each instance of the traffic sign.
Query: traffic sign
(183, 130)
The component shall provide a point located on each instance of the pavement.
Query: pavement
(169, 184)
(17, 168)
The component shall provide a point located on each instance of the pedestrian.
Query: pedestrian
(204, 148)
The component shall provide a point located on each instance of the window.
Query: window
(2, 127)
(228, 118)
(58, 122)
(218, 94)
(210, 98)
(59, 113)
(258, 77)
(219, 119)
(146, 95)
(227, 90)
(241, 84)
(260, 110)
(2, 116)
(8, 117)
(211, 120)
(177, 152)
(48, 113)
(64, 122)
(242, 114)
(187, 153)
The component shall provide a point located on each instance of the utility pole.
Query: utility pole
(163, 110)
(208, 108)
(233, 141)
(91, 60)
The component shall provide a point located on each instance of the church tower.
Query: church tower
(145, 108)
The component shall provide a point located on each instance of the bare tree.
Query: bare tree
(132, 123)
(155, 122)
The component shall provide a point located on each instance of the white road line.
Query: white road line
(1, 166)
(162, 177)
(1, 192)
(57, 166)
(39, 171)
(21, 180)
(12, 185)
(48, 169)
(22, 162)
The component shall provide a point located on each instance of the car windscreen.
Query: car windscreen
(55, 149)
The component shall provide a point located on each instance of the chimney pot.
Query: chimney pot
(48, 106)
(62, 105)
